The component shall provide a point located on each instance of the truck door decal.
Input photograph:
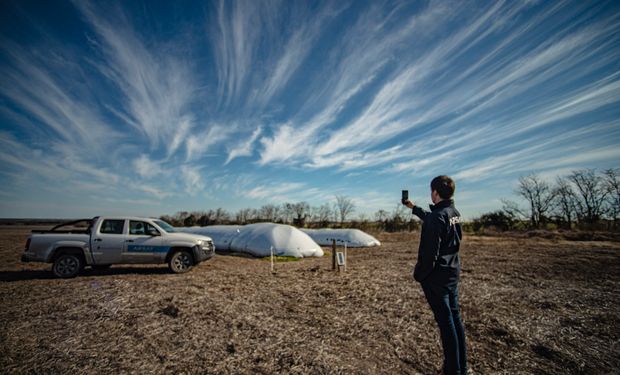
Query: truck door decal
(147, 249)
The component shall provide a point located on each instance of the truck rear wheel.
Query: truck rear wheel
(181, 262)
(67, 265)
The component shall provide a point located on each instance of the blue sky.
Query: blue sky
(148, 108)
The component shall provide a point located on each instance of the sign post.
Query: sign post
(271, 249)
(345, 256)
(334, 254)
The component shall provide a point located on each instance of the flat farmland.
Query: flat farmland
(530, 306)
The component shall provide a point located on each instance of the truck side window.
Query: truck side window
(112, 226)
(141, 228)
(136, 227)
(151, 230)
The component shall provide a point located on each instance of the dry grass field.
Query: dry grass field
(530, 306)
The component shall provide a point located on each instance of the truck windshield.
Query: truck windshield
(165, 226)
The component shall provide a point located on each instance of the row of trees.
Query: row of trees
(584, 198)
(337, 214)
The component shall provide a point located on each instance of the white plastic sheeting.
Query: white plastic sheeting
(257, 239)
(353, 237)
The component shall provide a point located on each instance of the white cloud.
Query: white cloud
(572, 149)
(192, 179)
(245, 147)
(145, 167)
(46, 85)
(237, 28)
(286, 143)
(56, 167)
(274, 190)
(198, 144)
(158, 87)
(152, 190)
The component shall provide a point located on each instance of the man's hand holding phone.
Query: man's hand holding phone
(405, 199)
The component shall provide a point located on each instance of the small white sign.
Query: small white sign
(340, 257)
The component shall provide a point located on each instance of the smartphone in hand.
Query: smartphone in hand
(405, 196)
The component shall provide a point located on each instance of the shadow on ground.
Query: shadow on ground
(10, 276)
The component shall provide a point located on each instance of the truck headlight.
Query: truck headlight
(208, 246)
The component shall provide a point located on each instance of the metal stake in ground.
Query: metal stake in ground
(345, 256)
(333, 254)
(271, 249)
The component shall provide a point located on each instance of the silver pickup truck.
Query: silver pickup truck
(103, 241)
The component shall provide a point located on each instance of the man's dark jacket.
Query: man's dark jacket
(438, 255)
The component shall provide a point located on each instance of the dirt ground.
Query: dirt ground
(530, 306)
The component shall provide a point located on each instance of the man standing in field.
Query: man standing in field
(438, 269)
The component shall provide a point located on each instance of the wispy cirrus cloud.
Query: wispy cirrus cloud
(158, 88)
(32, 166)
(365, 51)
(575, 148)
(360, 55)
(150, 103)
(198, 144)
(192, 179)
(235, 38)
(501, 83)
(269, 191)
(46, 86)
(145, 167)
(243, 148)
(259, 46)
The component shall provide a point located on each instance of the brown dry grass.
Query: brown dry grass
(531, 306)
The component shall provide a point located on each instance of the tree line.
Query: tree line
(337, 214)
(583, 199)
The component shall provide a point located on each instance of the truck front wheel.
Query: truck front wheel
(181, 262)
(67, 265)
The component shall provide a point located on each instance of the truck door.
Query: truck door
(108, 241)
(143, 244)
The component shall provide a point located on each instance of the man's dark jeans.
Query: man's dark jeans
(443, 298)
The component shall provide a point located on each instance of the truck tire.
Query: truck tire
(181, 261)
(67, 265)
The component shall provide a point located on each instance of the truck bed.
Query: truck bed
(81, 226)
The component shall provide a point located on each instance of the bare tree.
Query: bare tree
(205, 218)
(612, 185)
(189, 221)
(300, 211)
(381, 215)
(180, 216)
(512, 210)
(243, 216)
(401, 213)
(269, 212)
(220, 215)
(170, 220)
(400, 218)
(590, 193)
(344, 206)
(539, 195)
(287, 212)
(323, 214)
(564, 200)
(253, 215)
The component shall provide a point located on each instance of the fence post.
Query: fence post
(333, 254)
(345, 256)
(271, 250)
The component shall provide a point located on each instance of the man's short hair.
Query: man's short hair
(444, 186)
